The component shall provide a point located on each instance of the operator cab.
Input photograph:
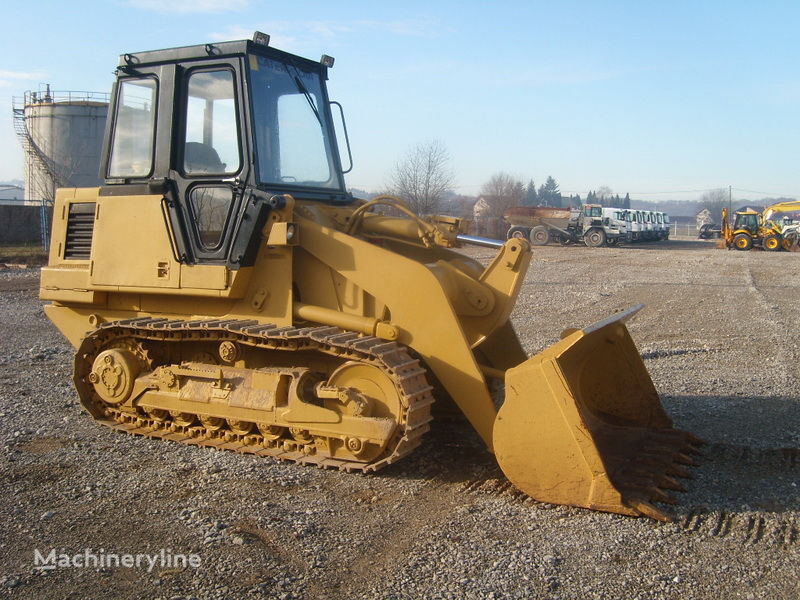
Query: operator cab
(747, 220)
(221, 130)
(593, 210)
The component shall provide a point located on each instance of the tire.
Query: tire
(539, 236)
(742, 241)
(772, 243)
(520, 233)
(594, 238)
(612, 241)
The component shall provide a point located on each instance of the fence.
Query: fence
(22, 224)
(688, 229)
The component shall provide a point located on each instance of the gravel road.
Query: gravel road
(718, 335)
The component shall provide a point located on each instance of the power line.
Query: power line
(766, 193)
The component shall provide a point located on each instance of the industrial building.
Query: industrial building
(62, 136)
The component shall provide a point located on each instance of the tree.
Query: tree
(531, 197)
(423, 176)
(549, 193)
(715, 201)
(605, 196)
(626, 203)
(501, 192)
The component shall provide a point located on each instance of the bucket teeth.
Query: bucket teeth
(693, 439)
(648, 510)
(648, 487)
(661, 496)
(668, 483)
(678, 471)
(648, 467)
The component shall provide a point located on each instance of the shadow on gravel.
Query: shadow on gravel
(670, 245)
(749, 466)
(752, 460)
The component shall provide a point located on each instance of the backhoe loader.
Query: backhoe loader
(773, 229)
(223, 289)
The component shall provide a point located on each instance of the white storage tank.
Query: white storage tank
(63, 139)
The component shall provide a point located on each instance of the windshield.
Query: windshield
(593, 211)
(292, 132)
(746, 221)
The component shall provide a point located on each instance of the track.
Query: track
(406, 373)
(764, 529)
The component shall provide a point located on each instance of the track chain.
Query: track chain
(393, 358)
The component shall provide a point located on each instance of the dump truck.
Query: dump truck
(223, 289)
(773, 229)
(544, 224)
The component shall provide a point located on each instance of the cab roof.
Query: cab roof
(216, 50)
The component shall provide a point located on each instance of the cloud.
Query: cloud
(16, 78)
(190, 6)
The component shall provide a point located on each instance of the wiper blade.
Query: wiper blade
(310, 100)
(302, 88)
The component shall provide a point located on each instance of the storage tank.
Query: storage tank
(62, 135)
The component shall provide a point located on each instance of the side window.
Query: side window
(212, 132)
(134, 129)
(211, 206)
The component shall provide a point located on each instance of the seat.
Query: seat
(201, 158)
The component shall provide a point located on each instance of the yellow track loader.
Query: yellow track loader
(223, 289)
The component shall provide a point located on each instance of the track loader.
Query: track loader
(223, 289)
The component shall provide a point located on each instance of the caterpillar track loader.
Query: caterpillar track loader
(223, 289)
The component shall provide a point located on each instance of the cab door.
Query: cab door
(209, 167)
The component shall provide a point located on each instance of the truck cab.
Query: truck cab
(615, 225)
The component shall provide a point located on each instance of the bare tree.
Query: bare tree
(501, 192)
(715, 201)
(423, 176)
(604, 192)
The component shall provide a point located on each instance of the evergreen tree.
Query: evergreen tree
(626, 203)
(541, 196)
(531, 197)
(549, 193)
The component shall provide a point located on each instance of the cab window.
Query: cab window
(134, 128)
(212, 134)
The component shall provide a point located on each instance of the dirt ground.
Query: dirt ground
(719, 335)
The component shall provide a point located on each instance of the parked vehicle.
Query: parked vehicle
(544, 224)
(773, 229)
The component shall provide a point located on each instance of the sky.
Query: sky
(662, 100)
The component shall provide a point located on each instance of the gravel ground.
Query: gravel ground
(718, 336)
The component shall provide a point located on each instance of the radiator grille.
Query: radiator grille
(80, 226)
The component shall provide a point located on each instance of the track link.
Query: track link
(405, 371)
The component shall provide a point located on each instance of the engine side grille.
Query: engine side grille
(80, 226)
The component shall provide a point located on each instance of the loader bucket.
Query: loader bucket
(582, 425)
